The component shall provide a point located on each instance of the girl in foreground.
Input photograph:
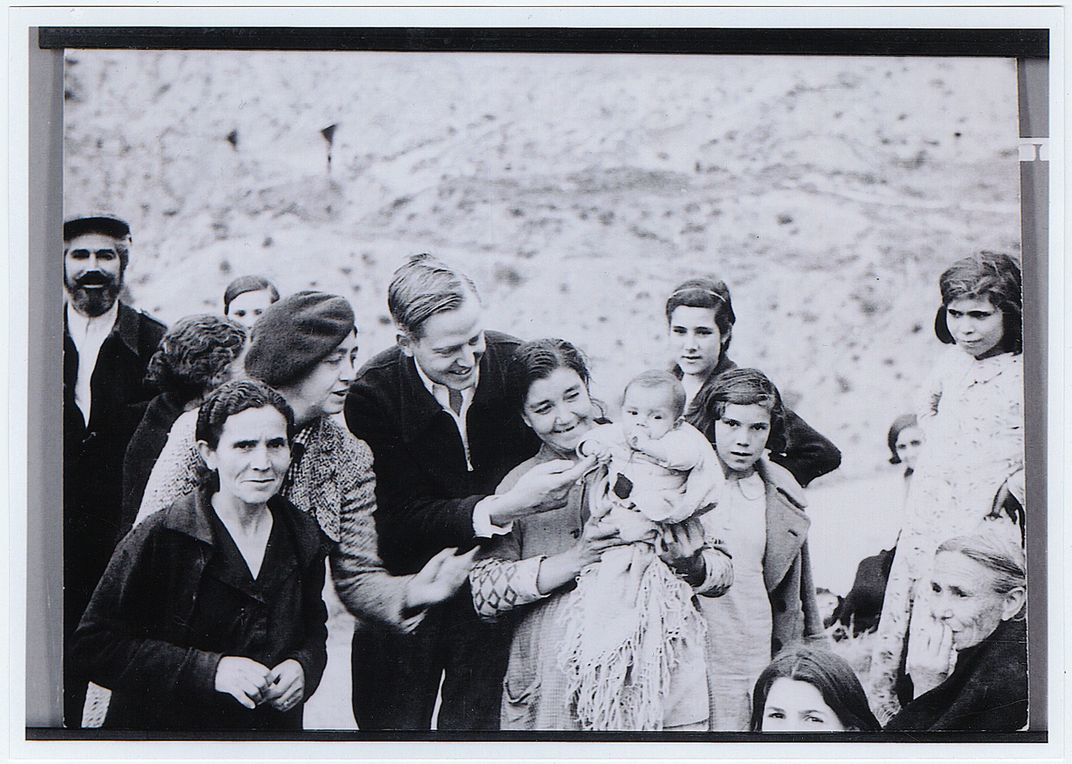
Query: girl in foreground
(760, 519)
(810, 689)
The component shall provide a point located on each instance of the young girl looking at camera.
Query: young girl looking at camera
(760, 521)
(810, 689)
(971, 414)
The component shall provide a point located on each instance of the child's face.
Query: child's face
(695, 339)
(648, 411)
(976, 325)
(741, 435)
(909, 442)
(797, 706)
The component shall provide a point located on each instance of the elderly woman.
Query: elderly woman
(197, 355)
(967, 656)
(304, 346)
(699, 321)
(209, 615)
(531, 570)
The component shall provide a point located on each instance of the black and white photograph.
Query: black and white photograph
(471, 393)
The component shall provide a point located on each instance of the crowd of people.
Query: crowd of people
(508, 552)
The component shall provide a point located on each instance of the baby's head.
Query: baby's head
(652, 404)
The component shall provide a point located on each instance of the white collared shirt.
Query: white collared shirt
(88, 334)
(442, 396)
(482, 524)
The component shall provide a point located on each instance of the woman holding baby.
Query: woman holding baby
(532, 571)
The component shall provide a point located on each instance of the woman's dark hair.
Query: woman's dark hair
(986, 276)
(743, 387)
(244, 284)
(830, 674)
(705, 292)
(537, 360)
(194, 355)
(234, 398)
(900, 424)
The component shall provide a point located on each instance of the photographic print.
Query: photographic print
(548, 393)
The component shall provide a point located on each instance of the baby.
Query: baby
(634, 642)
(660, 469)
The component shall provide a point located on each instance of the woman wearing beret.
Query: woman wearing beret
(209, 615)
(304, 346)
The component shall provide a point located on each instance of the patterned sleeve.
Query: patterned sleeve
(502, 581)
(363, 584)
(175, 473)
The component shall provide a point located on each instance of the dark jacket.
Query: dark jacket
(142, 452)
(862, 606)
(93, 454)
(987, 690)
(425, 494)
(155, 630)
(808, 454)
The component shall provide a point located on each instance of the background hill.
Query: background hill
(577, 190)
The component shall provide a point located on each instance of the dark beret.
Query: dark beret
(295, 334)
(103, 224)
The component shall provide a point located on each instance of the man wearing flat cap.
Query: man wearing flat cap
(106, 348)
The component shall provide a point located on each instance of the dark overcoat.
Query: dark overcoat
(987, 691)
(93, 454)
(171, 604)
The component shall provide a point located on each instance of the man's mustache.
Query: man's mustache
(94, 278)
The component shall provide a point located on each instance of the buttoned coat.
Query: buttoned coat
(137, 637)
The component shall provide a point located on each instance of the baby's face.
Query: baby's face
(648, 411)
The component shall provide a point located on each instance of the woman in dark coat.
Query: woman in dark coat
(700, 318)
(209, 615)
(967, 657)
(196, 356)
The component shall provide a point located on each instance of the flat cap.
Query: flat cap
(109, 225)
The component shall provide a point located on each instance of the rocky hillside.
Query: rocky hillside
(577, 190)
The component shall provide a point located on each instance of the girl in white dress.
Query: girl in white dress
(971, 413)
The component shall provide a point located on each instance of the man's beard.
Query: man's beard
(94, 301)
